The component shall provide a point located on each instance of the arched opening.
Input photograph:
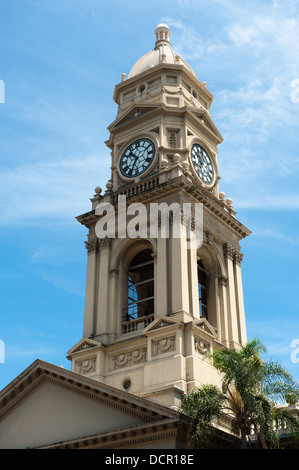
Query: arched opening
(140, 298)
(202, 289)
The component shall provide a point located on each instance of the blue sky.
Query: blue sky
(60, 61)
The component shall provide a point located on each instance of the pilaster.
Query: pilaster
(240, 297)
(91, 288)
(102, 319)
(232, 306)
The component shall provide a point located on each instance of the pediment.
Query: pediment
(83, 344)
(133, 112)
(158, 323)
(205, 120)
(46, 405)
(205, 326)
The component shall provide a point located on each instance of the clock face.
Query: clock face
(202, 163)
(137, 158)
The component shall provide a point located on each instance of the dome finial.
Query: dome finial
(162, 33)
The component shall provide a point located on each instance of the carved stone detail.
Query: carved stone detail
(201, 346)
(155, 170)
(91, 245)
(228, 251)
(86, 365)
(222, 280)
(238, 257)
(233, 254)
(129, 358)
(84, 346)
(104, 242)
(163, 345)
(208, 238)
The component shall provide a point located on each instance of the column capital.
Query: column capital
(91, 245)
(238, 257)
(232, 253)
(222, 280)
(228, 251)
(104, 242)
(114, 271)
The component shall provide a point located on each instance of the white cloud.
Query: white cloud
(57, 190)
(63, 282)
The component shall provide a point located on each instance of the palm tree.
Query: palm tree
(251, 389)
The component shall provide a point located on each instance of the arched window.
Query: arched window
(140, 286)
(202, 290)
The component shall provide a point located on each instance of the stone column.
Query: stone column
(223, 331)
(193, 293)
(161, 291)
(232, 307)
(90, 291)
(114, 305)
(102, 330)
(179, 273)
(240, 298)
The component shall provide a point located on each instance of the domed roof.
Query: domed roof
(161, 53)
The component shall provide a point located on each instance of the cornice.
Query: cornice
(128, 437)
(41, 372)
(157, 70)
(160, 108)
(145, 192)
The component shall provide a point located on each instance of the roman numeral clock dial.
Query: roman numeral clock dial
(137, 158)
(202, 163)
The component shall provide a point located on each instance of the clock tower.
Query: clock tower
(154, 305)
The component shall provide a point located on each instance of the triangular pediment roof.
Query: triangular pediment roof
(204, 118)
(136, 110)
(83, 344)
(205, 326)
(48, 406)
(160, 322)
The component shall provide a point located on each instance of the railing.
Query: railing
(137, 324)
(138, 188)
(225, 422)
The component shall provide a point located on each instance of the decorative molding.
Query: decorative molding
(222, 281)
(208, 238)
(238, 257)
(127, 437)
(122, 183)
(232, 253)
(205, 326)
(41, 372)
(147, 189)
(129, 358)
(228, 251)
(104, 242)
(114, 271)
(92, 245)
(201, 346)
(83, 346)
(159, 322)
(86, 365)
(163, 345)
